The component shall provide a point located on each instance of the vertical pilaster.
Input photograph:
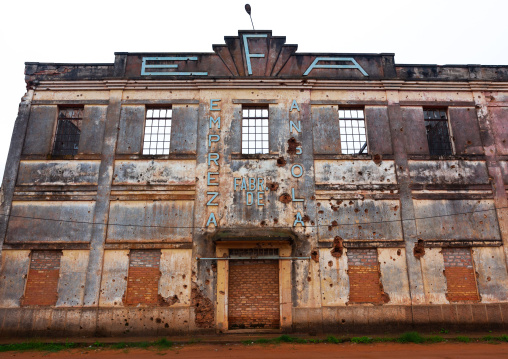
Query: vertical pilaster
(407, 212)
(101, 214)
(12, 164)
(493, 166)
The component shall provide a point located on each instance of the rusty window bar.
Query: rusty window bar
(255, 130)
(249, 258)
(438, 135)
(157, 131)
(68, 131)
(353, 137)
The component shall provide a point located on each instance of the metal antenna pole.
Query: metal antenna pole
(248, 9)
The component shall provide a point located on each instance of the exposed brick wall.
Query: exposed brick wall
(143, 278)
(364, 277)
(459, 273)
(253, 300)
(42, 282)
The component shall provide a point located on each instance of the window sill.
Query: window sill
(447, 157)
(257, 156)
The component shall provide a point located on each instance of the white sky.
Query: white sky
(420, 32)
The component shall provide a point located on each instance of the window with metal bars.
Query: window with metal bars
(254, 130)
(68, 130)
(157, 131)
(438, 134)
(353, 137)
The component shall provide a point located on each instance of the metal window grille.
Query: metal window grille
(253, 252)
(353, 138)
(438, 135)
(68, 131)
(157, 131)
(255, 130)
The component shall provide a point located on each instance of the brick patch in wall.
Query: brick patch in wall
(460, 276)
(364, 277)
(143, 278)
(253, 300)
(42, 281)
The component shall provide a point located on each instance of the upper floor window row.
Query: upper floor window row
(255, 131)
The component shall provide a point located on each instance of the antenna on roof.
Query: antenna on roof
(248, 9)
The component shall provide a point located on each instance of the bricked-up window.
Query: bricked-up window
(353, 138)
(438, 135)
(143, 278)
(460, 276)
(42, 281)
(364, 277)
(254, 130)
(253, 301)
(68, 130)
(157, 131)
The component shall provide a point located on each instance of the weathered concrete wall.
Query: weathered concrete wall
(465, 130)
(500, 128)
(155, 172)
(349, 172)
(92, 130)
(434, 281)
(175, 280)
(152, 221)
(334, 278)
(58, 173)
(40, 130)
(392, 266)
(71, 285)
(114, 278)
(15, 265)
(130, 136)
(378, 130)
(448, 172)
(492, 277)
(456, 219)
(72, 218)
(360, 219)
(184, 129)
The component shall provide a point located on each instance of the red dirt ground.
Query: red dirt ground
(292, 351)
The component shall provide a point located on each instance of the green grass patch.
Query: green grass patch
(37, 346)
(384, 340)
(411, 337)
(362, 340)
(462, 339)
(163, 343)
(333, 340)
(434, 339)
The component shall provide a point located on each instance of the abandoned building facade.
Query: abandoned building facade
(255, 187)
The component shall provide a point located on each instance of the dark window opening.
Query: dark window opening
(68, 131)
(438, 135)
